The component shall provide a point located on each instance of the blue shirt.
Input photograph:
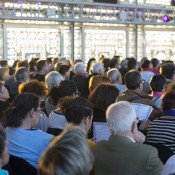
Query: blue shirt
(27, 144)
(3, 172)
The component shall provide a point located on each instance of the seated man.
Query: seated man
(122, 154)
(135, 94)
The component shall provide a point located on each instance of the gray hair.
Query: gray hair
(79, 68)
(53, 79)
(67, 154)
(120, 117)
(113, 74)
(98, 68)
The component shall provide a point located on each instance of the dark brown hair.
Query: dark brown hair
(168, 101)
(103, 96)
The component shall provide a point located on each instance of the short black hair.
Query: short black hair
(19, 109)
(23, 63)
(40, 64)
(114, 61)
(76, 109)
(32, 65)
(3, 63)
(168, 70)
(20, 74)
(157, 83)
(66, 88)
(154, 62)
(63, 69)
(132, 63)
(145, 64)
(133, 79)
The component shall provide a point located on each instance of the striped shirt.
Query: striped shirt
(162, 131)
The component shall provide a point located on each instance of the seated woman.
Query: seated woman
(57, 120)
(79, 112)
(162, 130)
(102, 97)
(25, 141)
(67, 155)
(4, 156)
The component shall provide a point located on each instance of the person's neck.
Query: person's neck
(128, 135)
(26, 124)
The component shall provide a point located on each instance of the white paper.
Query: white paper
(142, 111)
(100, 131)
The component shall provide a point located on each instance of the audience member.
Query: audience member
(4, 155)
(25, 141)
(79, 112)
(122, 154)
(81, 79)
(156, 66)
(134, 93)
(168, 70)
(32, 68)
(146, 72)
(3, 63)
(115, 62)
(21, 76)
(67, 155)
(64, 70)
(4, 74)
(157, 84)
(132, 64)
(39, 89)
(116, 79)
(97, 80)
(89, 65)
(162, 130)
(101, 102)
(53, 79)
(42, 70)
(57, 120)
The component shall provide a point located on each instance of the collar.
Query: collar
(131, 139)
(157, 94)
(169, 112)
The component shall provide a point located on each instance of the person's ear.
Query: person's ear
(134, 128)
(32, 112)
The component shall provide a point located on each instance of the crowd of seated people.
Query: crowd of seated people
(52, 110)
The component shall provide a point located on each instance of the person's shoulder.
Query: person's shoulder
(42, 135)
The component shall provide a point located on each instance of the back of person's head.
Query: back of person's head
(4, 156)
(133, 79)
(95, 81)
(66, 88)
(22, 75)
(101, 101)
(35, 87)
(32, 66)
(114, 62)
(132, 63)
(157, 83)
(89, 64)
(168, 70)
(67, 154)
(76, 109)
(3, 63)
(114, 75)
(106, 63)
(19, 109)
(11, 71)
(168, 101)
(22, 64)
(55, 60)
(98, 68)
(120, 117)
(4, 73)
(63, 68)
(79, 68)
(155, 62)
(40, 65)
(146, 64)
(53, 79)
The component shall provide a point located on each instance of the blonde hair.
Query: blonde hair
(97, 80)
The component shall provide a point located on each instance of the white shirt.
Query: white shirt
(169, 167)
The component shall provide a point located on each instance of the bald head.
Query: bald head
(120, 117)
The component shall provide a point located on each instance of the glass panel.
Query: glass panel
(107, 42)
(25, 43)
(160, 45)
